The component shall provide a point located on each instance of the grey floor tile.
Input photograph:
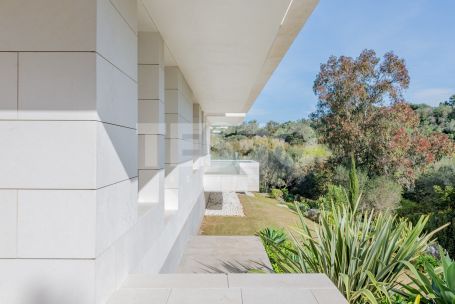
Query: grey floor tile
(198, 280)
(277, 296)
(205, 296)
(329, 296)
(306, 280)
(140, 296)
(223, 254)
(226, 264)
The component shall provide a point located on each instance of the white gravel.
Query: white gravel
(223, 204)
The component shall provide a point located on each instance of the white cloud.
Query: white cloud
(432, 96)
(257, 112)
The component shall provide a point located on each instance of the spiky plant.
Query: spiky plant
(361, 252)
(354, 188)
(433, 284)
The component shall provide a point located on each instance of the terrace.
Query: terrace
(105, 115)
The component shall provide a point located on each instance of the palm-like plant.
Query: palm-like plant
(361, 252)
(435, 284)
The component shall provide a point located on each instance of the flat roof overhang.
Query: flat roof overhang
(226, 49)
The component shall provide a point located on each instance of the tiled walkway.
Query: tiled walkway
(228, 289)
(211, 273)
(224, 254)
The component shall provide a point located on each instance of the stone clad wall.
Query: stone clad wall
(82, 157)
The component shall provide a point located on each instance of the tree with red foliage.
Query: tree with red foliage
(361, 111)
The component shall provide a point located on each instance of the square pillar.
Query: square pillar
(179, 138)
(151, 122)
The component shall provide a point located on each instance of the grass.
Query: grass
(320, 151)
(260, 212)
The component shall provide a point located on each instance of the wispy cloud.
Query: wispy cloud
(258, 112)
(432, 96)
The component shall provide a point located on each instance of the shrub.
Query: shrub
(434, 285)
(276, 194)
(274, 238)
(434, 195)
(335, 195)
(446, 238)
(361, 252)
(382, 193)
(441, 174)
(424, 259)
(341, 177)
(303, 206)
(271, 235)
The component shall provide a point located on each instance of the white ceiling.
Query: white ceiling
(226, 49)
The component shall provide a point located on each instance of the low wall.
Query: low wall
(232, 176)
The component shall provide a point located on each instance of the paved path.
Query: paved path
(216, 259)
(228, 289)
(224, 254)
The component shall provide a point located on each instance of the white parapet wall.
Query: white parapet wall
(232, 176)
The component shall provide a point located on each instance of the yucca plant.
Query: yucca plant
(361, 252)
(434, 285)
(272, 236)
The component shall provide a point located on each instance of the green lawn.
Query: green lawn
(260, 212)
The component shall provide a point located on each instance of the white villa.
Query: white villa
(105, 115)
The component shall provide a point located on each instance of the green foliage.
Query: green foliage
(382, 193)
(341, 177)
(354, 188)
(397, 299)
(274, 238)
(435, 284)
(438, 119)
(425, 259)
(276, 194)
(446, 237)
(433, 195)
(361, 111)
(361, 252)
(303, 206)
(378, 192)
(315, 151)
(440, 174)
(446, 194)
(335, 195)
(286, 152)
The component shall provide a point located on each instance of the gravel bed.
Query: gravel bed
(223, 204)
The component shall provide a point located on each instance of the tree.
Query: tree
(349, 93)
(361, 112)
(450, 101)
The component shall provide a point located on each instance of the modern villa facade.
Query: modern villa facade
(105, 115)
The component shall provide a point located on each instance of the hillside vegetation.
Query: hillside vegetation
(375, 171)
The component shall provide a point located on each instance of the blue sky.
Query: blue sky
(420, 31)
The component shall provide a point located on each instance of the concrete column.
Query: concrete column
(205, 144)
(151, 127)
(179, 138)
(197, 135)
(68, 157)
